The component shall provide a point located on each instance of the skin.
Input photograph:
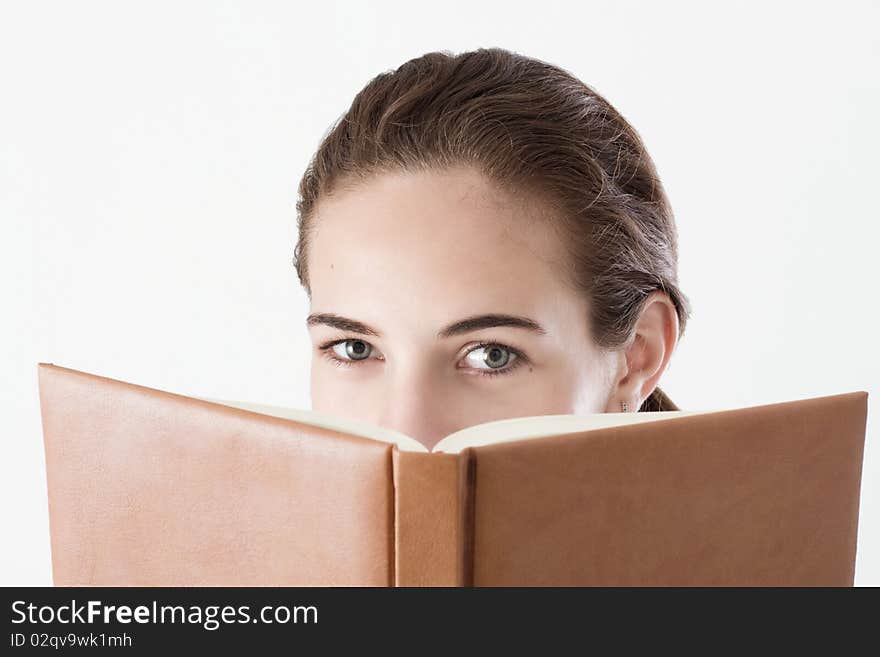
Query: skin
(406, 255)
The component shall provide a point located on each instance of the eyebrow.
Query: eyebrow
(467, 325)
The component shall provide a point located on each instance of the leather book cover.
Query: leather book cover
(761, 496)
(152, 488)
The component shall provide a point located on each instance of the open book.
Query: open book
(149, 487)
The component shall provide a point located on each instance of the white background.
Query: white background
(150, 153)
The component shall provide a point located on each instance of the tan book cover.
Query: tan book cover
(149, 487)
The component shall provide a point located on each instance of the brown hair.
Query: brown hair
(535, 131)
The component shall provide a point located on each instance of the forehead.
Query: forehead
(447, 243)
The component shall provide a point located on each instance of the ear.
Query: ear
(646, 355)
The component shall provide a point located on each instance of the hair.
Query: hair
(535, 131)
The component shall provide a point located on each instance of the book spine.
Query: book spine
(467, 480)
(432, 525)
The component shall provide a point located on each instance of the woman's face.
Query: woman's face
(438, 303)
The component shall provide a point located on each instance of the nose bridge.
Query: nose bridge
(412, 400)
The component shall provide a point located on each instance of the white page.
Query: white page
(485, 433)
(329, 421)
(538, 426)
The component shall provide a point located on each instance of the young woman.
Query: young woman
(483, 236)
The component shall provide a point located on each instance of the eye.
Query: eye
(491, 359)
(345, 352)
(352, 349)
(485, 359)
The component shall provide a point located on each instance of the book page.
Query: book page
(329, 421)
(486, 433)
(538, 426)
